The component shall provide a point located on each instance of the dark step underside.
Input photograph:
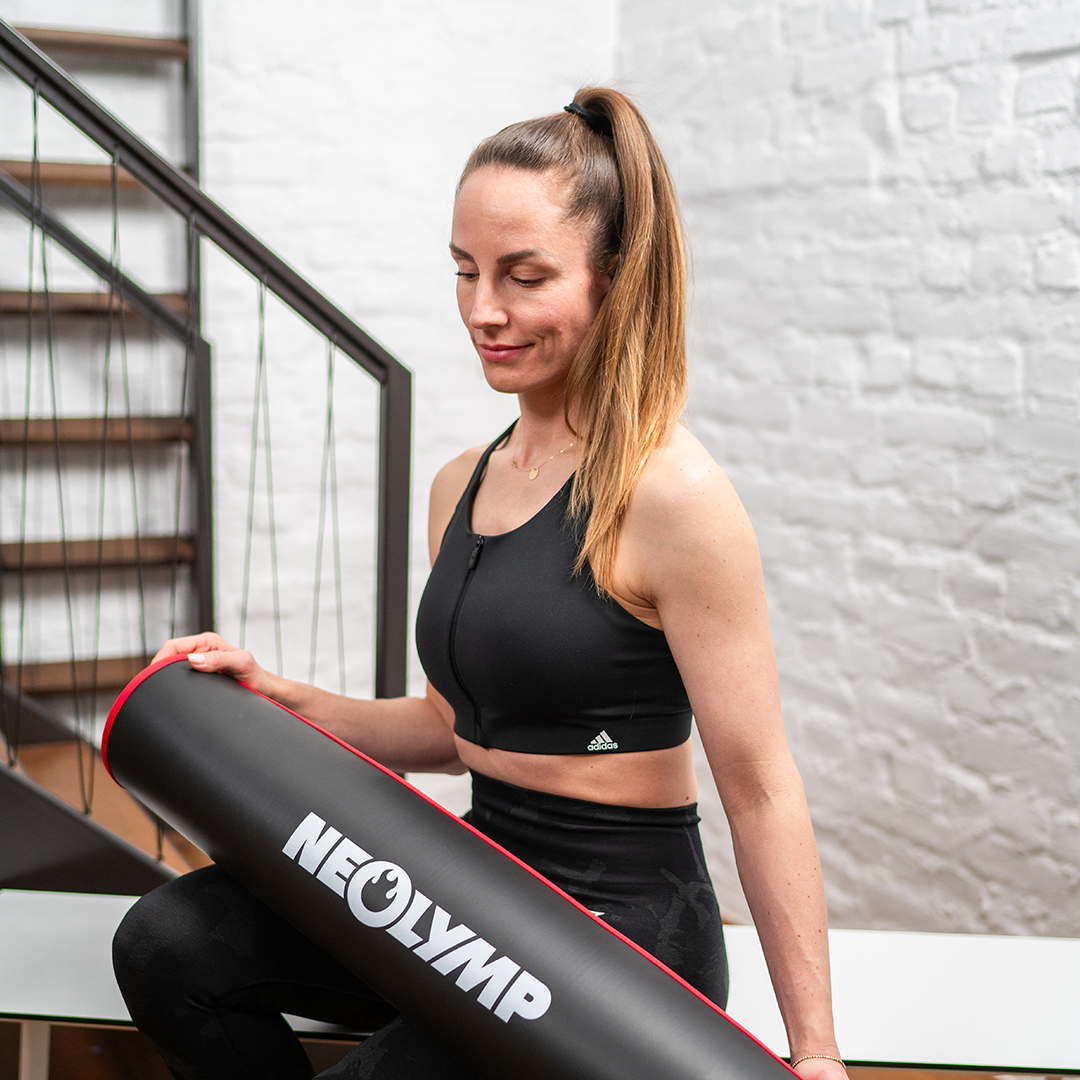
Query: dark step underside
(67, 677)
(26, 722)
(83, 554)
(46, 844)
(49, 39)
(93, 430)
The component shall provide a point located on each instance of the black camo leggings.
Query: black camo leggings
(207, 969)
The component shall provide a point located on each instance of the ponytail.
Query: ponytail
(627, 384)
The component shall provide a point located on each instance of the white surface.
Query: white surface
(901, 998)
(959, 1000)
(56, 960)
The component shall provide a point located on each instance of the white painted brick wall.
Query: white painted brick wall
(884, 209)
(882, 199)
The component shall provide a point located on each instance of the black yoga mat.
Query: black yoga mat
(448, 926)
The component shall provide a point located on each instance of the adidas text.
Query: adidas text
(603, 741)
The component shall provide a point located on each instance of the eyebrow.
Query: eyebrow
(502, 260)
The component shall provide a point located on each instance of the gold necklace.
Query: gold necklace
(535, 470)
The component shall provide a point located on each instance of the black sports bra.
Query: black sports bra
(531, 658)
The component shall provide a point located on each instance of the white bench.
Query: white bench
(901, 999)
(56, 968)
(943, 1001)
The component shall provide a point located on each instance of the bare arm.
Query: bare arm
(407, 733)
(689, 552)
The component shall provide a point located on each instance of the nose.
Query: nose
(486, 309)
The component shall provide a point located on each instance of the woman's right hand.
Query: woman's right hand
(211, 652)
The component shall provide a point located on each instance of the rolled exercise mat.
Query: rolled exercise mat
(450, 928)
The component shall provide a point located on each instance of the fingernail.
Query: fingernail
(196, 658)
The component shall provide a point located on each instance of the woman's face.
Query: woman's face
(525, 289)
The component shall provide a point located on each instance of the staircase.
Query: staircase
(106, 540)
(97, 838)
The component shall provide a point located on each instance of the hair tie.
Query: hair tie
(596, 120)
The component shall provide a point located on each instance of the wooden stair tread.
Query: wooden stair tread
(127, 45)
(80, 554)
(74, 174)
(19, 302)
(56, 676)
(93, 430)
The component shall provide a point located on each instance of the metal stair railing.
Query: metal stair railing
(207, 219)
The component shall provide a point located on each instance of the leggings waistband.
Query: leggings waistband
(502, 798)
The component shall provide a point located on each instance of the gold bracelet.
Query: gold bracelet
(823, 1057)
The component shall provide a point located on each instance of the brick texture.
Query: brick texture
(883, 206)
(882, 200)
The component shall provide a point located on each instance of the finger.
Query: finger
(183, 646)
(236, 662)
(170, 648)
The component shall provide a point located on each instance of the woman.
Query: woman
(595, 577)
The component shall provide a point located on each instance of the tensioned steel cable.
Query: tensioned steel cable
(103, 460)
(261, 411)
(322, 513)
(10, 712)
(336, 534)
(85, 780)
(181, 455)
(5, 725)
(99, 567)
(126, 377)
(267, 446)
(328, 480)
(35, 188)
(252, 474)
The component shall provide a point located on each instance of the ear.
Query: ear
(606, 278)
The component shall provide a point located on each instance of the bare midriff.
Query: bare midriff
(652, 778)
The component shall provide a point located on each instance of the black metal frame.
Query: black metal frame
(182, 194)
(189, 17)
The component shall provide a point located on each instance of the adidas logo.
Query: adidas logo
(603, 741)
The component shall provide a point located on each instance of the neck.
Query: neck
(542, 428)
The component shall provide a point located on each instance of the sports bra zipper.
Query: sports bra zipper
(474, 558)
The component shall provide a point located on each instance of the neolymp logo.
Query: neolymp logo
(507, 989)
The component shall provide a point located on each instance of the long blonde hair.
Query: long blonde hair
(627, 384)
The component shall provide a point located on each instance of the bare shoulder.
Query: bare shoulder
(451, 480)
(446, 490)
(685, 521)
(682, 484)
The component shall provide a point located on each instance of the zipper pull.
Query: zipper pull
(474, 558)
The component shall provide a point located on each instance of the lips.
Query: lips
(497, 353)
